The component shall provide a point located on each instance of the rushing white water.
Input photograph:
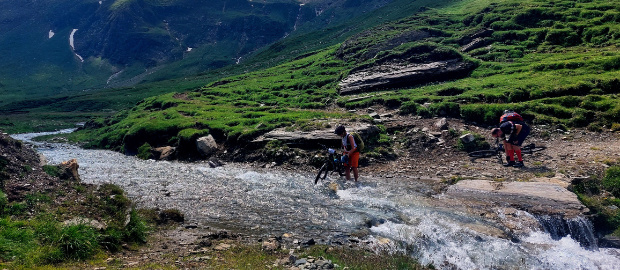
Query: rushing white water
(398, 217)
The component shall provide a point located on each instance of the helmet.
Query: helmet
(339, 130)
(508, 111)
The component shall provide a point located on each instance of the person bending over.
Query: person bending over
(517, 132)
(351, 154)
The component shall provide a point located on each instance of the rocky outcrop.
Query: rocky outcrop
(87, 222)
(441, 124)
(475, 44)
(164, 153)
(206, 145)
(69, 170)
(478, 35)
(547, 199)
(311, 139)
(391, 75)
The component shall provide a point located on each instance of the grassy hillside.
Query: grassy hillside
(64, 108)
(555, 63)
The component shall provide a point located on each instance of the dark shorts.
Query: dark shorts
(525, 130)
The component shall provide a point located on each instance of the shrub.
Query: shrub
(136, 229)
(52, 170)
(611, 181)
(111, 239)
(77, 241)
(564, 37)
(409, 107)
(144, 151)
(450, 109)
(115, 202)
(4, 202)
(581, 118)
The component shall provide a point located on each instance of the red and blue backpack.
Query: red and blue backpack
(511, 116)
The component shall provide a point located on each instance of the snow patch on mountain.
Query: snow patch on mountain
(72, 45)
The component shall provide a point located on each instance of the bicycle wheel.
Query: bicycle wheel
(532, 148)
(482, 153)
(322, 170)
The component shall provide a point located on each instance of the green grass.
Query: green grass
(600, 195)
(361, 259)
(235, 109)
(26, 242)
(529, 67)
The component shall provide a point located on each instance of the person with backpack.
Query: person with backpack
(513, 125)
(351, 145)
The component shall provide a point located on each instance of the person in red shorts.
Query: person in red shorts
(351, 154)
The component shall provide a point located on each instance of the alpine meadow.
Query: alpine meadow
(135, 90)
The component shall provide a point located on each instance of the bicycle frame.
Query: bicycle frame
(498, 151)
(332, 164)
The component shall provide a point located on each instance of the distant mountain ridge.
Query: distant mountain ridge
(119, 40)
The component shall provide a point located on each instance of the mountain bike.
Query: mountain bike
(331, 163)
(498, 150)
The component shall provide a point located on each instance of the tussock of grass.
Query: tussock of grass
(361, 259)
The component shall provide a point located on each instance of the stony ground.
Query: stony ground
(570, 154)
(422, 152)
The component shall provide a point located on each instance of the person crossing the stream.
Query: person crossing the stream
(351, 152)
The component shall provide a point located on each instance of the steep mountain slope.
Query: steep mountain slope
(26, 103)
(61, 46)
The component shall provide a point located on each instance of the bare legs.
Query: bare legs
(348, 173)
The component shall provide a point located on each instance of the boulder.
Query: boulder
(69, 170)
(467, 138)
(206, 145)
(441, 124)
(214, 162)
(86, 221)
(164, 153)
(271, 244)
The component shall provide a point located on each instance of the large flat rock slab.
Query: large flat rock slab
(312, 139)
(403, 75)
(534, 197)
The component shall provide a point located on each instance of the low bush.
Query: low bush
(77, 241)
(594, 193)
(144, 151)
(52, 170)
(611, 181)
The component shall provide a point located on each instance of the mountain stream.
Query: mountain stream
(396, 215)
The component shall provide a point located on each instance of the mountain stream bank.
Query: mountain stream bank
(386, 214)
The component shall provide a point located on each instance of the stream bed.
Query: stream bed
(395, 214)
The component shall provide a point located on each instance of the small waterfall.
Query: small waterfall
(579, 228)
